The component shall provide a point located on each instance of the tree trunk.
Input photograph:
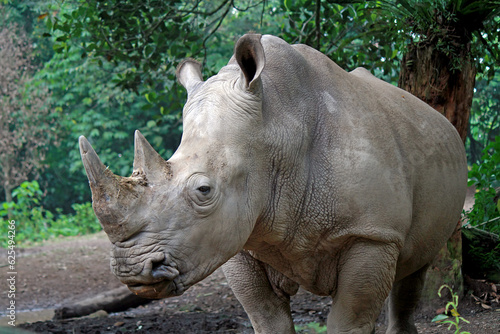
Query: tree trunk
(428, 73)
(6, 184)
(8, 199)
(8, 194)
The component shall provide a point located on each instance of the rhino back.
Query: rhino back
(353, 156)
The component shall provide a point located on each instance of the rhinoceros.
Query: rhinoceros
(290, 172)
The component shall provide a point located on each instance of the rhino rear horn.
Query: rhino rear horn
(147, 161)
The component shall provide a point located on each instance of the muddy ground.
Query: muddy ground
(72, 269)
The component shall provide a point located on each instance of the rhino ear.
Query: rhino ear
(249, 54)
(189, 74)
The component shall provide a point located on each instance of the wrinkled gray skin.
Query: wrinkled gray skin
(290, 172)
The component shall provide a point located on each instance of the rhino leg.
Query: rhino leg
(403, 300)
(363, 283)
(263, 292)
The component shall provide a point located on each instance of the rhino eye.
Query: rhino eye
(205, 190)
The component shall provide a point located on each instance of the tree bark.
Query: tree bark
(447, 85)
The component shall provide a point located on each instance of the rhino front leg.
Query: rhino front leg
(363, 283)
(263, 292)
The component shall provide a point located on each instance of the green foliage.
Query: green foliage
(35, 223)
(485, 214)
(352, 34)
(486, 177)
(484, 117)
(27, 196)
(449, 25)
(311, 328)
(375, 34)
(143, 38)
(451, 308)
(86, 101)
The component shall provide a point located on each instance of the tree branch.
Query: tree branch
(220, 19)
(207, 13)
(318, 24)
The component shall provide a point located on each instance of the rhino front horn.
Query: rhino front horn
(147, 161)
(107, 193)
(96, 171)
(102, 181)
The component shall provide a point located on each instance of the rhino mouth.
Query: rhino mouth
(166, 282)
(156, 280)
(162, 289)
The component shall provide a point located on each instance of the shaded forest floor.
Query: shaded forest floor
(73, 269)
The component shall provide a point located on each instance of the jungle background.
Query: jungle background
(106, 68)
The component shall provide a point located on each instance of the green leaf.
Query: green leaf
(62, 38)
(8, 205)
(48, 23)
(440, 317)
(150, 97)
(58, 48)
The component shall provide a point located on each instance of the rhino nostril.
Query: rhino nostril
(164, 271)
(156, 265)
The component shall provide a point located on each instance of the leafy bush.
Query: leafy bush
(486, 177)
(483, 257)
(34, 223)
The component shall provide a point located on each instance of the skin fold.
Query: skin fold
(291, 172)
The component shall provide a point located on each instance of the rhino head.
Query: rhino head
(172, 223)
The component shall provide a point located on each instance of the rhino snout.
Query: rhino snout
(153, 269)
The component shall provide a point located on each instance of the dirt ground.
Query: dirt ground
(72, 269)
